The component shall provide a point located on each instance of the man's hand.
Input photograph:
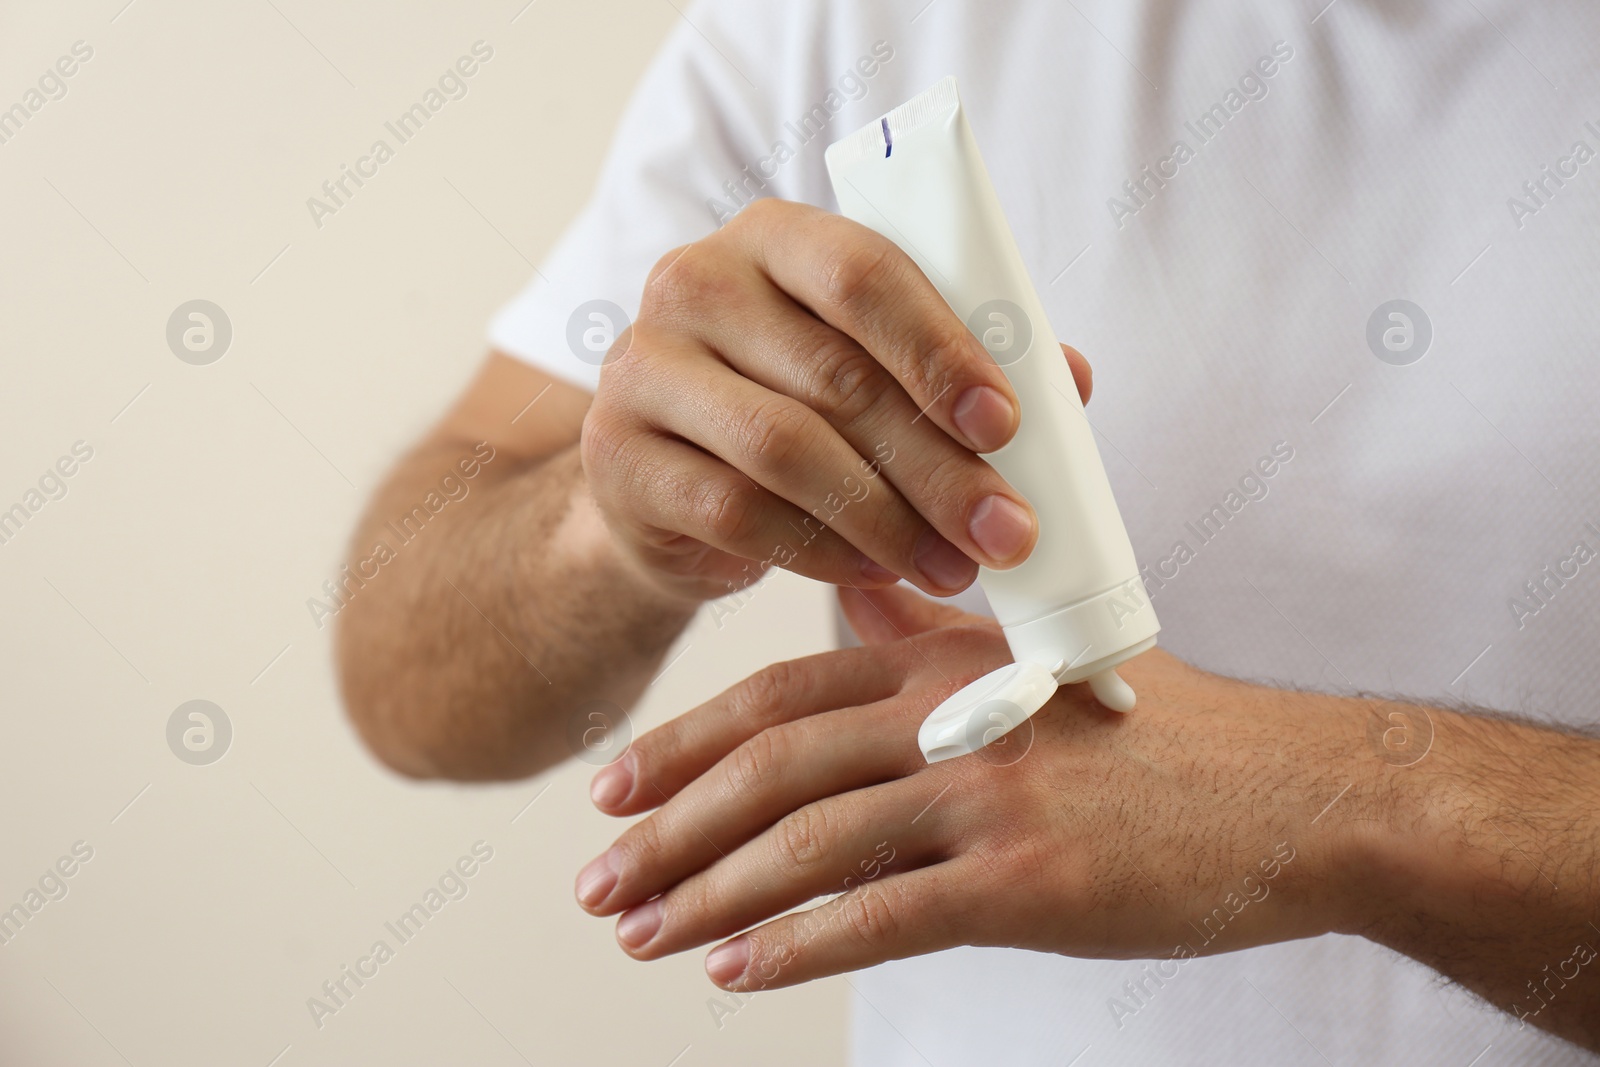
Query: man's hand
(1219, 816)
(796, 393)
(1083, 832)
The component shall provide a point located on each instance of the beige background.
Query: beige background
(177, 567)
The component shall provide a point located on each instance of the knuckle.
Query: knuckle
(891, 528)
(771, 434)
(761, 696)
(846, 382)
(947, 353)
(868, 915)
(802, 838)
(755, 765)
(620, 467)
(660, 749)
(643, 843)
(683, 282)
(604, 441)
(666, 263)
(854, 276)
(692, 904)
(951, 483)
(671, 270)
(770, 953)
(760, 213)
(1017, 862)
(726, 510)
(662, 287)
(632, 365)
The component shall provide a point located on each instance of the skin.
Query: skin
(1092, 834)
(772, 363)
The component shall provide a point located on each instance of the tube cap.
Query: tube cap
(985, 710)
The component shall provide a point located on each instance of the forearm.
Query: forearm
(1482, 857)
(466, 652)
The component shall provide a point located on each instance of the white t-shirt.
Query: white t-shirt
(1332, 162)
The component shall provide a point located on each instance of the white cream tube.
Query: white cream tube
(1077, 606)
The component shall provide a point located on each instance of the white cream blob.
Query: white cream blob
(1109, 689)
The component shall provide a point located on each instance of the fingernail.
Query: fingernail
(596, 880)
(727, 962)
(942, 563)
(640, 924)
(873, 571)
(986, 417)
(1001, 527)
(613, 784)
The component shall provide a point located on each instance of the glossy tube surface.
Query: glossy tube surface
(1077, 605)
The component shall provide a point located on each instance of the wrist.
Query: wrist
(1350, 839)
(1467, 830)
(1415, 840)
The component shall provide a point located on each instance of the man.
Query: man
(1336, 273)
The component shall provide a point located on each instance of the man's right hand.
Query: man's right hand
(795, 392)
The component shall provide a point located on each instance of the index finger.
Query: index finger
(863, 284)
(662, 762)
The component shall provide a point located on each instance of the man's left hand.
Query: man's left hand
(1189, 827)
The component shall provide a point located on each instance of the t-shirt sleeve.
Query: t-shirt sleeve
(701, 118)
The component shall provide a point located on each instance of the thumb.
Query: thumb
(1082, 373)
(881, 616)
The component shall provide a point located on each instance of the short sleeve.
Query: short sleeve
(700, 119)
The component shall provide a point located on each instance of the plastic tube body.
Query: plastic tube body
(1077, 605)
